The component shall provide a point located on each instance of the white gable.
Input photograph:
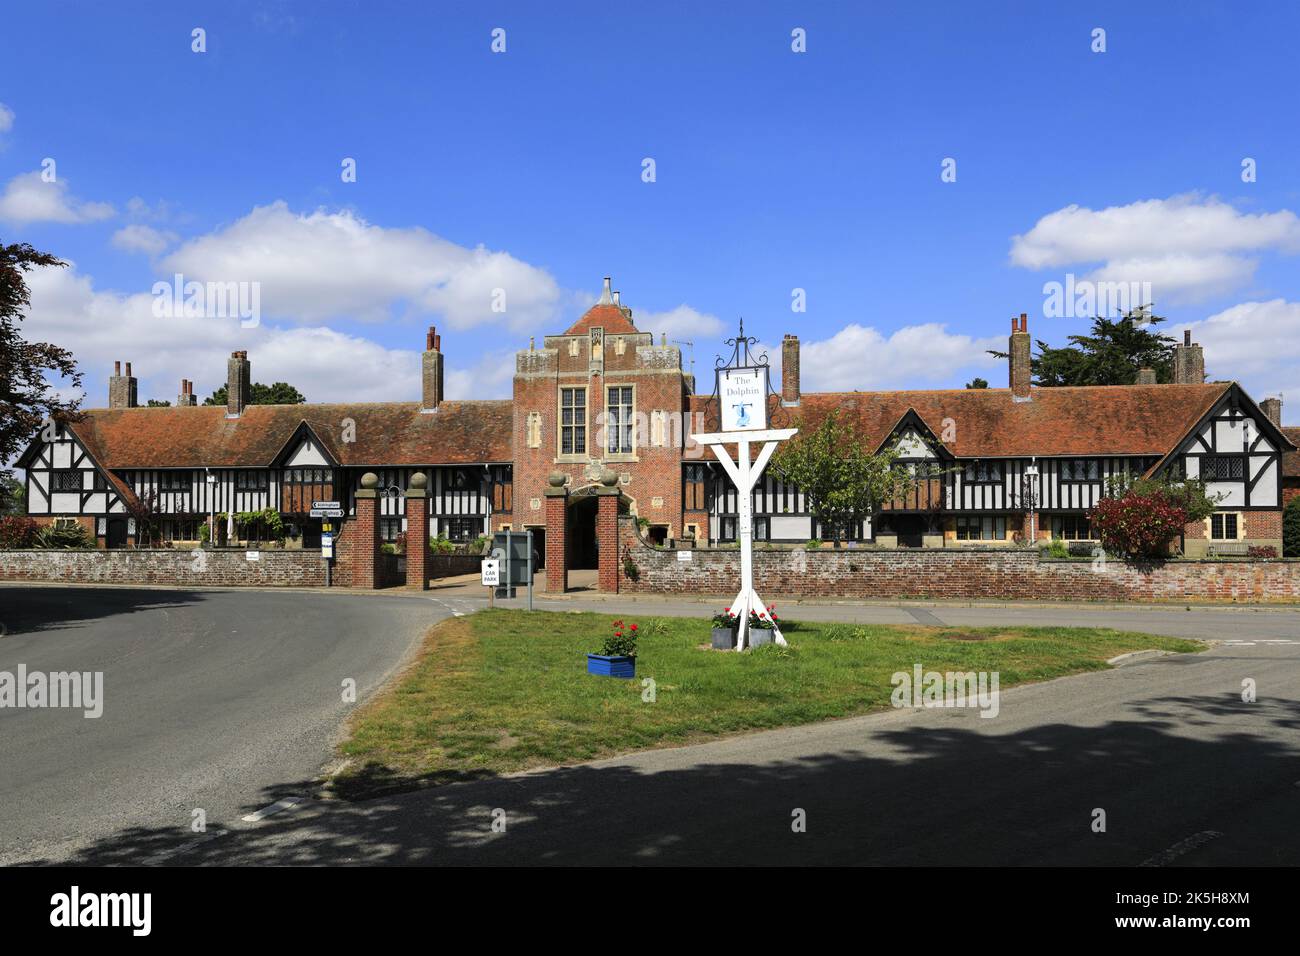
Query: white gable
(307, 453)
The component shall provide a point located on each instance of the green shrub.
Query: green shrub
(440, 545)
(1291, 529)
(73, 537)
(630, 570)
(814, 544)
(1058, 549)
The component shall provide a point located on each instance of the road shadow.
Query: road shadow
(964, 794)
(37, 609)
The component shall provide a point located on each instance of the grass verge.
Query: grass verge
(505, 690)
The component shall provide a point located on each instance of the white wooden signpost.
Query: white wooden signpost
(742, 406)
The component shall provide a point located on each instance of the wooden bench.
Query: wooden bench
(1228, 549)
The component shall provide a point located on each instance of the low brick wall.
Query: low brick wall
(449, 565)
(217, 568)
(957, 573)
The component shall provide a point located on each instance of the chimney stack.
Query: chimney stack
(607, 294)
(431, 374)
(1189, 362)
(1018, 358)
(186, 397)
(1272, 407)
(1146, 376)
(239, 385)
(122, 388)
(790, 370)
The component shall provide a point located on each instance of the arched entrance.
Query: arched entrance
(580, 532)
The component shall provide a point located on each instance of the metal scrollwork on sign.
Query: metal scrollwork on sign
(746, 355)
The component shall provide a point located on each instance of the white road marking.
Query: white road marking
(1182, 847)
(277, 807)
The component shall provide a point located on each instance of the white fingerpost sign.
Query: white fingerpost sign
(742, 399)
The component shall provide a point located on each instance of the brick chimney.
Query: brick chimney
(1272, 407)
(1018, 358)
(1189, 362)
(186, 397)
(1146, 376)
(122, 388)
(238, 384)
(431, 374)
(790, 370)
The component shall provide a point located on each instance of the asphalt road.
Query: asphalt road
(1185, 771)
(221, 701)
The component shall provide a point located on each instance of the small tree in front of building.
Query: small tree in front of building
(1139, 517)
(840, 478)
(1291, 529)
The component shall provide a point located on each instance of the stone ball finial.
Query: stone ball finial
(419, 481)
(556, 479)
(370, 480)
(609, 478)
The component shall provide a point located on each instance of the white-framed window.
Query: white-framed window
(573, 421)
(1225, 526)
(618, 420)
(981, 527)
(1071, 528)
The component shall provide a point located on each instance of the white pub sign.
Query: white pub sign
(743, 399)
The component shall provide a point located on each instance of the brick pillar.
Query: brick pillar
(557, 552)
(365, 546)
(417, 532)
(607, 538)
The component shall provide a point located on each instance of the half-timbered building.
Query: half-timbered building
(604, 405)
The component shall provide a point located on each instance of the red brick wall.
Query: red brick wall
(607, 534)
(970, 573)
(417, 542)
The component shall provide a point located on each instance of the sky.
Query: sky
(889, 181)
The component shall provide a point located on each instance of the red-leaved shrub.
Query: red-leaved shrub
(17, 531)
(1138, 525)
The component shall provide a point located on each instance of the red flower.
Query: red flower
(634, 627)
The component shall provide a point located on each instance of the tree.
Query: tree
(158, 403)
(280, 393)
(1291, 529)
(978, 383)
(13, 495)
(26, 398)
(841, 480)
(1111, 354)
(1140, 517)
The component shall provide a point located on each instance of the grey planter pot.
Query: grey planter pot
(724, 639)
(759, 636)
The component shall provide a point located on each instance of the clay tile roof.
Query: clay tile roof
(611, 317)
(1291, 459)
(386, 433)
(1139, 420)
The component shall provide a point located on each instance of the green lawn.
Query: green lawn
(506, 690)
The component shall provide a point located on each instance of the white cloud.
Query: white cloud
(491, 376)
(860, 357)
(1188, 247)
(1256, 344)
(327, 265)
(28, 198)
(6, 118)
(682, 324)
(102, 326)
(141, 238)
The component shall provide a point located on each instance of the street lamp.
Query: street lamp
(1031, 477)
(212, 506)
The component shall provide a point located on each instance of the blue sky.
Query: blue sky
(775, 171)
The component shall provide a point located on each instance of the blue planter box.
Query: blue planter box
(618, 666)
